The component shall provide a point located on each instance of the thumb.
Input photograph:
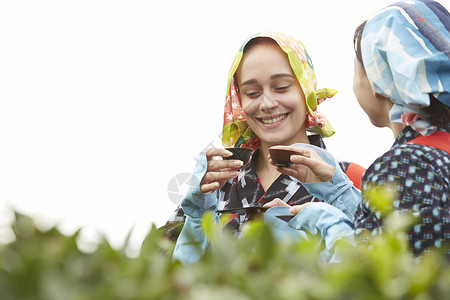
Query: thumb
(303, 160)
(275, 202)
(298, 208)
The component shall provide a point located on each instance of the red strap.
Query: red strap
(354, 173)
(439, 140)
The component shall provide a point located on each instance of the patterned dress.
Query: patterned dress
(247, 191)
(422, 179)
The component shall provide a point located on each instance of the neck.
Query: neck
(263, 161)
(396, 128)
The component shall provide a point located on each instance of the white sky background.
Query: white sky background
(102, 103)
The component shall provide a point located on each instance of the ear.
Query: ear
(383, 101)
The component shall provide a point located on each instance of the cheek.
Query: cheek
(298, 101)
(355, 84)
(296, 104)
(248, 106)
(359, 89)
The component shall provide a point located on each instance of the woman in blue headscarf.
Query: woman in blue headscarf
(402, 81)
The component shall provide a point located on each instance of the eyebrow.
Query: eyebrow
(275, 76)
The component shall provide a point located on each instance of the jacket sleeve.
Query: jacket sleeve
(332, 220)
(323, 220)
(339, 193)
(328, 223)
(192, 243)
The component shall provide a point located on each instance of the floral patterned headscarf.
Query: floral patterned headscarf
(236, 131)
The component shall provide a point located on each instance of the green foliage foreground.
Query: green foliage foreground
(48, 265)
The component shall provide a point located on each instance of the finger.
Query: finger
(288, 171)
(219, 176)
(319, 167)
(302, 160)
(211, 152)
(282, 147)
(275, 202)
(292, 148)
(209, 187)
(302, 151)
(311, 163)
(298, 208)
(216, 165)
(281, 169)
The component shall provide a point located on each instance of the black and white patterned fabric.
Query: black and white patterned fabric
(421, 175)
(247, 191)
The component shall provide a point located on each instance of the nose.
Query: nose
(267, 102)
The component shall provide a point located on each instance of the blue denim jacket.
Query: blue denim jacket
(330, 220)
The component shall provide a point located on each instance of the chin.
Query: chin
(377, 125)
(272, 141)
(279, 141)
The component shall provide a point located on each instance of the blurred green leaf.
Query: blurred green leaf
(48, 265)
(381, 197)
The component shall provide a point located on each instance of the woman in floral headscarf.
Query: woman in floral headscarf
(271, 100)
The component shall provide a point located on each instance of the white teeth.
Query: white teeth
(274, 120)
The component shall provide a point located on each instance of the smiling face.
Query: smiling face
(272, 99)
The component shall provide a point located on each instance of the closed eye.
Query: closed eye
(253, 95)
(282, 88)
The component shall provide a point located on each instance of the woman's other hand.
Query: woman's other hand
(307, 167)
(293, 209)
(275, 202)
(218, 171)
(297, 208)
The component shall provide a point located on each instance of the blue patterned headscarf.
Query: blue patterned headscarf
(406, 55)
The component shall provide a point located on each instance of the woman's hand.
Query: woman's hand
(218, 171)
(307, 167)
(293, 209)
(275, 202)
(298, 208)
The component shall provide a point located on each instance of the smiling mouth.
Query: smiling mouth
(272, 120)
